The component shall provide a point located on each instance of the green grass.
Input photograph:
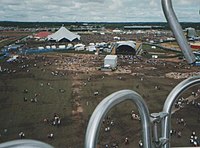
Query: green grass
(8, 42)
(149, 49)
(198, 32)
(157, 49)
(28, 116)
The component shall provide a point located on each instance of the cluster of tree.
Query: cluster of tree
(109, 25)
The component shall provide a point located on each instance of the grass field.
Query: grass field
(59, 94)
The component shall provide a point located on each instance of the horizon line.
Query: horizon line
(96, 21)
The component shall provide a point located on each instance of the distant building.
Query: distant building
(191, 32)
(142, 27)
(137, 27)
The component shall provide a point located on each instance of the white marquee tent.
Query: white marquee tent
(63, 33)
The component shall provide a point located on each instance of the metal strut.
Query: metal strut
(177, 30)
(156, 119)
(102, 109)
(25, 144)
(172, 97)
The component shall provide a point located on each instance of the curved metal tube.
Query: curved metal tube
(177, 30)
(167, 108)
(24, 144)
(105, 105)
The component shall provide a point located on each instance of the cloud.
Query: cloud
(94, 10)
(186, 2)
(154, 3)
(115, 4)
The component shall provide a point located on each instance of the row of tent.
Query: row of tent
(78, 47)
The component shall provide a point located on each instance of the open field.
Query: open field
(10, 37)
(64, 84)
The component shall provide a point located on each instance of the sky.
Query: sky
(95, 10)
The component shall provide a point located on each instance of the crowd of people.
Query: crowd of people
(82, 63)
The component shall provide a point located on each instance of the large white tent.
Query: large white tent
(63, 33)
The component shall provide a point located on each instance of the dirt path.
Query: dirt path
(190, 99)
(76, 87)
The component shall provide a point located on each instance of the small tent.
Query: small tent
(43, 34)
(63, 34)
